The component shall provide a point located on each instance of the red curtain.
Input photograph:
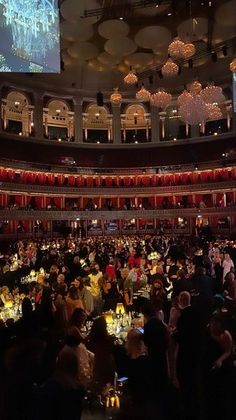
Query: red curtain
(98, 181)
(145, 181)
(71, 180)
(11, 174)
(51, 179)
(18, 200)
(127, 181)
(153, 180)
(39, 202)
(80, 181)
(61, 179)
(108, 181)
(89, 182)
(58, 202)
(42, 178)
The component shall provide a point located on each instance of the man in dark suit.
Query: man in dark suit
(188, 365)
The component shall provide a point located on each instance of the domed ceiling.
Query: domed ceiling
(101, 39)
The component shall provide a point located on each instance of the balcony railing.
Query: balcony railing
(121, 191)
(114, 215)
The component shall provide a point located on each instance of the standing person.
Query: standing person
(188, 364)
(62, 396)
(219, 371)
(156, 341)
(101, 344)
(73, 301)
(95, 278)
(227, 265)
(84, 294)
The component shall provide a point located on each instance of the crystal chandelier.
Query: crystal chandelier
(161, 99)
(188, 50)
(143, 94)
(183, 97)
(214, 112)
(176, 48)
(32, 25)
(131, 78)
(212, 94)
(232, 66)
(193, 109)
(116, 97)
(170, 69)
(195, 87)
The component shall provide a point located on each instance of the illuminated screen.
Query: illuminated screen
(29, 36)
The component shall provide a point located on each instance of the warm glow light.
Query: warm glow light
(176, 48)
(193, 109)
(170, 69)
(195, 87)
(161, 99)
(116, 97)
(120, 310)
(214, 112)
(188, 50)
(211, 94)
(143, 94)
(131, 78)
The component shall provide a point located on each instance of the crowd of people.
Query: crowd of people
(57, 358)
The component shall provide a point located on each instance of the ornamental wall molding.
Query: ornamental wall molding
(114, 215)
(111, 192)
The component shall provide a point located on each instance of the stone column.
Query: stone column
(1, 119)
(78, 120)
(116, 124)
(155, 124)
(38, 115)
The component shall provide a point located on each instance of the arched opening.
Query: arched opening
(17, 114)
(96, 124)
(136, 125)
(58, 121)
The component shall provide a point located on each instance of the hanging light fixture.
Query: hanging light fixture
(161, 98)
(232, 66)
(143, 94)
(170, 69)
(189, 50)
(130, 78)
(193, 109)
(176, 48)
(183, 97)
(212, 94)
(195, 87)
(214, 112)
(116, 97)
